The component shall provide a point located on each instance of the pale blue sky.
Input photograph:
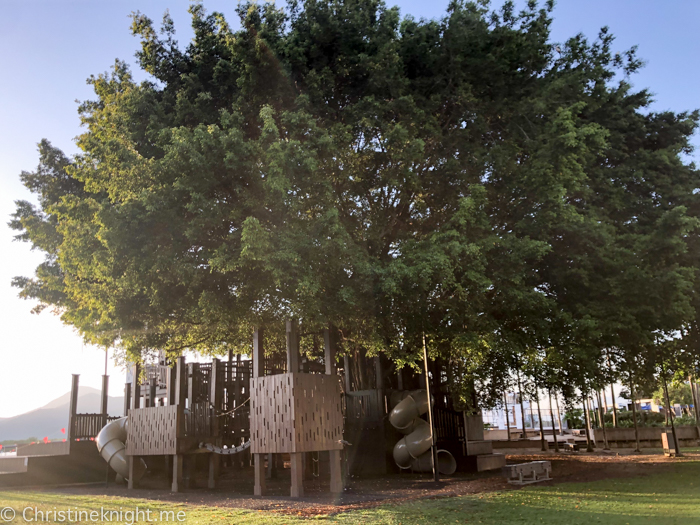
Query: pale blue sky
(50, 47)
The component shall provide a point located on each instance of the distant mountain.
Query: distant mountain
(48, 420)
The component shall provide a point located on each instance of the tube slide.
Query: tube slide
(110, 445)
(413, 450)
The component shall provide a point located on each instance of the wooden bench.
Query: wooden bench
(526, 473)
(568, 446)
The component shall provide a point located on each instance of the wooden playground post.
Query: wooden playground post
(172, 381)
(179, 395)
(431, 422)
(136, 387)
(73, 407)
(296, 458)
(346, 373)
(152, 402)
(335, 455)
(104, 399)
(214, 399)
(329, 352)
(127, 398)
(292, 346)
(258, 371)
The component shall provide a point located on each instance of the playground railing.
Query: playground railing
(86, 426)
(364, 406)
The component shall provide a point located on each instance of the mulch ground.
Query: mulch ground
(236, 487)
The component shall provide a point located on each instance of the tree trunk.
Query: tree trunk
(589, 430)
(554, 432)
(670, 413)
(614, 405)
(602, 395)
(612, 392)
(696, 399)
(561, 428)
(694, 391)
(634, 416)
(522, 408)
(591, 412)
(505, 399)
(602, 419)
(594, 411)
(543, 440)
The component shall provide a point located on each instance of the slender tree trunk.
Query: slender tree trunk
(591, 412)
(551, 411)
(602, 395)
(612, 392)
(614, 404)
(522, 408)
(589, 430)
(505, 398)
(670, 414)
(561, 428)
(602, 419)
(594, 410)
(634, 416)
(696, 399)
(543, 440)
(696, 409)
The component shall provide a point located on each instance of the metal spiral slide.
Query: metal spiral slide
(413, 450)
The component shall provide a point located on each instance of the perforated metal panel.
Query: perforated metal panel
(295, 412)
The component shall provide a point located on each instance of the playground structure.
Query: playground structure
(413, 451)
(72, 460)
(266, 411)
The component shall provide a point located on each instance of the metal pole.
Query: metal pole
(436, 474)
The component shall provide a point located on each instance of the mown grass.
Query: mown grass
(670, 497)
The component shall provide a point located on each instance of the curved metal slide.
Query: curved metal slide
(110, 444)
(413, 450)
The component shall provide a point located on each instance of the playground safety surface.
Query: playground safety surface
(235, 487)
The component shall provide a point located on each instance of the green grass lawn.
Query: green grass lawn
(667, 498)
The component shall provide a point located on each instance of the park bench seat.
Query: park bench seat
(526, 473)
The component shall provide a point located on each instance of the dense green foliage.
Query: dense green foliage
(467, 178)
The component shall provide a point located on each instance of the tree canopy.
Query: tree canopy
(511, 197)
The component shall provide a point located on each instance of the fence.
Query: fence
(364, 406)
(86, 426)
(234, 410)
(449, 424)
(158, 372)
(198, 420)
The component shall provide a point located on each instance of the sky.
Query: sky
(49, 49)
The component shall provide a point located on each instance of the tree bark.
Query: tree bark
(670, 413)
(554, 432)
(522, 408)
(612, 392)
(696, 399)
(561, 428)
(601, 395)
(589, 430)
(543, 440)
(505, 399)
(614, 405)
(694, 391)
(634, 416)
(602, 420)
